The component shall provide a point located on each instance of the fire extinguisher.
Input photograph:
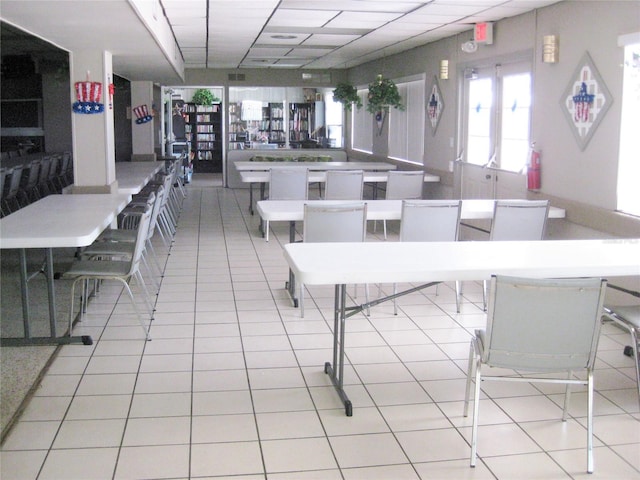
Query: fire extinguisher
(533, 170)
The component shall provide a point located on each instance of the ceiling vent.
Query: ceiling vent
(318, 78)
(237, 77)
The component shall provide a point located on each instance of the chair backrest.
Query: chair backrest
(519, 220)
(335, 223)
(34, 171)
(404, 185)
(288, 184)
(14, 181)
(129, 218)
(430, 220)
(5, 180)
(543, 324)
(68, 171)
(65, 160)
(166, 181)
(156, 205)
(43, 177)
(141, 237)
(344, 185)
(54, 165)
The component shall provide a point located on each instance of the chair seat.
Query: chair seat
(113, 249)
(630, 314)
(117, 235)
(98, 268)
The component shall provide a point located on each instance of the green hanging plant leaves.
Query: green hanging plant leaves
(347, 94)
(383, 93)
(204, 96)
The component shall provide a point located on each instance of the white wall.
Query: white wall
(579, 178)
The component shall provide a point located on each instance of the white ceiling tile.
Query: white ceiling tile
(481, 3)
(307, 52)
(449, 9)
(336, 40)
(329, 33)
(301, 18)
(354, 5)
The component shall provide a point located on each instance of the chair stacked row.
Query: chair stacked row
(34, 178)
(118, 254)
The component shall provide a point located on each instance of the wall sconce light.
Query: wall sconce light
(550, 48)
(444, 69)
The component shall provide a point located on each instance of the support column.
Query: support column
(142, 121)
(93, 133)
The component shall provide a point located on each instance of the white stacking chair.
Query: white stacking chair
(628, 317)
(344, 185)
(28, 191)
(11, 190)
(403, 185)
(4, 174)
(517, 220)
(286, 184)
(121, 241)
(166, 221)
(123, 270)
(43, 176)
(538, 328)
(333, 223)
(429, 221)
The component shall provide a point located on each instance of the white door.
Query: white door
(495, 130)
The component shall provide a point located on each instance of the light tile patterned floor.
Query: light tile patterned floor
(232, 384)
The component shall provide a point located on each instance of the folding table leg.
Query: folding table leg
(336, 371)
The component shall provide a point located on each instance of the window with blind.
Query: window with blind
(362, 126)
(406, 128)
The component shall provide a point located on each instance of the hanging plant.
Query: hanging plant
(383, 93)
(204, 96)
(347, 95)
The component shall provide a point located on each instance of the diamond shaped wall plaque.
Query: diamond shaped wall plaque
(435, 105)
(585, 101)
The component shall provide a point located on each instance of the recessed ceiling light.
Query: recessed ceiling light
(284, 37)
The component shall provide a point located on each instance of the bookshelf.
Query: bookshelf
(203, 128)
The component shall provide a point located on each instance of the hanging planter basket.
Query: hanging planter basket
(383, 94)
(347, 94)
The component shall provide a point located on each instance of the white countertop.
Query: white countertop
(319, 166)
(73, 220)
(395, 262)
(293, 210)
(317, 176)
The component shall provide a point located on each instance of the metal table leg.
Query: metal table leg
(336, 371)
(52, 339)
(291, 284)
(251, 198)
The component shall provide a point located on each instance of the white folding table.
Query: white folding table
(313, 167)
(133, 176)
(293, 210)
(340, 264)
(55, 221)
